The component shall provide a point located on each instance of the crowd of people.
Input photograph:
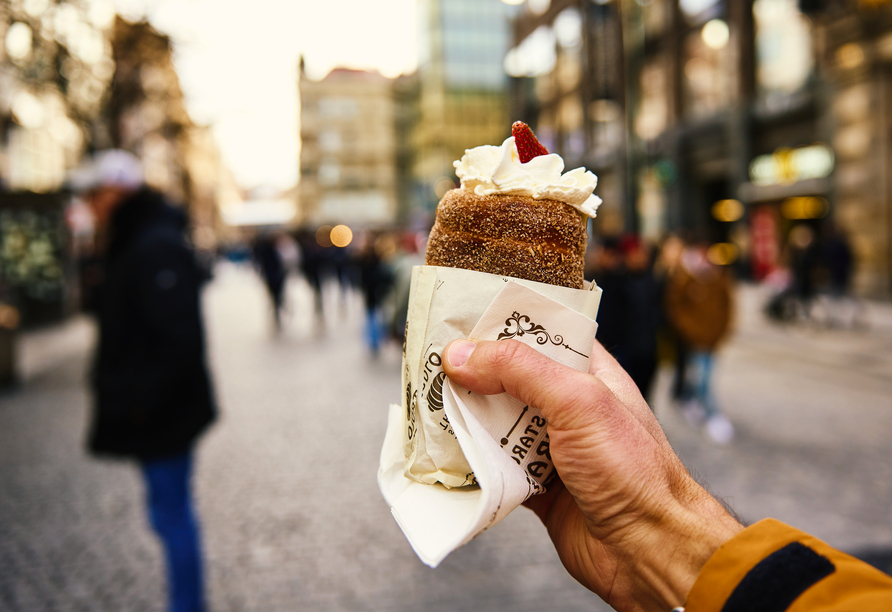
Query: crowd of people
(817, 277)
(659, 303)
(662, 303)
(377, 263)
(666, 304)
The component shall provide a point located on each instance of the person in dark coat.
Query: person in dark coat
(642, 314)
(604, 266)
(272, 269)
(313, 266)
(375, 281)
(152, 389)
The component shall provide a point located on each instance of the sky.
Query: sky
(237, 63)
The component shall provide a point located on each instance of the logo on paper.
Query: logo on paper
(435, 394)
(520, 325)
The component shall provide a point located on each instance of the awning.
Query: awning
(750, 192)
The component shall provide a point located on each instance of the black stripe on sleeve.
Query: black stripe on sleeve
(778, 579)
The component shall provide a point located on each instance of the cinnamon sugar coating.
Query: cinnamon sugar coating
(538, 240)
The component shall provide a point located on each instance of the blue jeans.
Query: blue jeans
(699, 376)
(374, 329)
(170, 511)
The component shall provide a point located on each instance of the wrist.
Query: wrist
(680, 545)
(663, 553)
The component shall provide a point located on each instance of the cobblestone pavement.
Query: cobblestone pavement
(292, 518)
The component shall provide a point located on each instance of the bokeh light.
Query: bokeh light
(341, 236)
(722, 253)
(716, 34)
(850, 56)
(727, 211)
(18, 40)
(809, 207)
(323, 236)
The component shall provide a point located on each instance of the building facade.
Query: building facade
(737, 121)
(462, 88)
(56, 65)
(348, 151)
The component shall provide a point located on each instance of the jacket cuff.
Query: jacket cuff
(772, 567)
(767, 564)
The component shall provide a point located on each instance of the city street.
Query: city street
(286, 479)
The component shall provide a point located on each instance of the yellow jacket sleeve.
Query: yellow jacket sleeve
(771, 567)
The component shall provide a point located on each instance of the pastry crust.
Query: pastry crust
(538, 240)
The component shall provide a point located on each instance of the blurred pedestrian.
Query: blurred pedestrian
(604, 266)
(408, 256)
(152, 390)
(841, 267)
(269, 262)
(641, 316)
(666, 263)
(375, 280)
(698, 303)
(344, 272)
(806, 262)
(312, 264)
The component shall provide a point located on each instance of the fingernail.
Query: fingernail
(459, 351)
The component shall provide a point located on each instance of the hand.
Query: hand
(628, 521)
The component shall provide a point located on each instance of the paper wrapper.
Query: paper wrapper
(454, 463)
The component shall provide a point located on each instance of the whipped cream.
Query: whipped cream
(491, 170)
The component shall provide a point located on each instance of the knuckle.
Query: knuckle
(506, 354)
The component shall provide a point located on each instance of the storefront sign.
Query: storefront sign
(763, 224)
(791, 165)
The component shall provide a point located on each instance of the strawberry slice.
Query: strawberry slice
(525, 141)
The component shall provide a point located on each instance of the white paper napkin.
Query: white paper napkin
(504, 441)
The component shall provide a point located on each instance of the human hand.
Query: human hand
(628, 521)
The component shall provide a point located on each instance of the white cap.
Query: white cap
(112, 168)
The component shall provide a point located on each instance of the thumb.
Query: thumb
(568, 399)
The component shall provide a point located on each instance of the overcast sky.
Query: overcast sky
(237, 62)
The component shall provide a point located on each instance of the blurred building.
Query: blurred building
(75, 78)
(56, 65)
(409, 189)
(737, 120)
(462, 87)
(348, 149)
(146, 113)
(855, 59)
(568, 84)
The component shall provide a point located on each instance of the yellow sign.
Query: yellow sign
(786, 166)
(804, 208)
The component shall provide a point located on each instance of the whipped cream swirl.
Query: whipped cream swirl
(491, 170)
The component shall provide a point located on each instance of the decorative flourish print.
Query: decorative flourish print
(518, 325)
(435, 394)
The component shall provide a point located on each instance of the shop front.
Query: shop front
(788, 189)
